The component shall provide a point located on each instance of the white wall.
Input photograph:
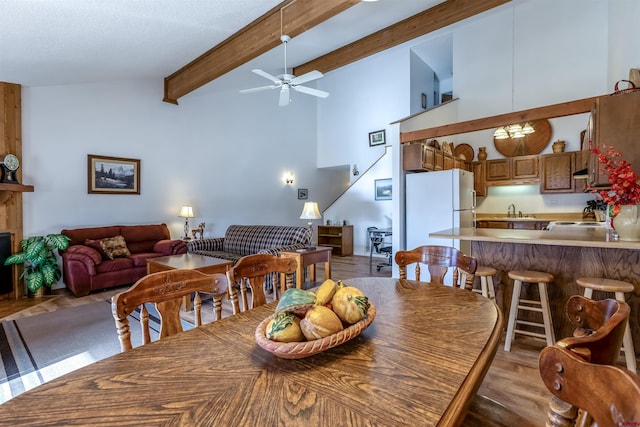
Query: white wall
(201, 153)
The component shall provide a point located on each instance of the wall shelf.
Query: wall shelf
(6, 190)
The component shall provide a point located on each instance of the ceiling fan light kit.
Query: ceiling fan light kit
(287, 81)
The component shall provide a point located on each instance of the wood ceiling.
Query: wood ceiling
(298, 16)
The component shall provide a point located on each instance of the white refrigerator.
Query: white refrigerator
(437, 201)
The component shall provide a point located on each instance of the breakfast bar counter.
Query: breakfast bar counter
(567, 253)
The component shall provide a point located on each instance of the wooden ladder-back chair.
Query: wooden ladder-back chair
(253, 270)
(166, 290)
(578, 370)
(438, 260)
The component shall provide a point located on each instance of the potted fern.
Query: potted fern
(40, 264)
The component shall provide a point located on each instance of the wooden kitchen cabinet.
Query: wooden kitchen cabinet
(512, 224)
(419, 157)
(340, 238)
(497, 170)
(614, 121)
(479, 184)
(556, 173)
(512, 170)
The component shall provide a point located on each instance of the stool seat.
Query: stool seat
(483, 271)
(531, 276)
(605, 285)
(486, 281)
(542, 306)
(617, 287)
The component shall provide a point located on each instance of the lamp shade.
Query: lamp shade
(186, 212)
(310, 211)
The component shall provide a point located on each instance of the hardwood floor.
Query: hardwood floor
(512, 380)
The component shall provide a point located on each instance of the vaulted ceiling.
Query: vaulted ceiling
(191, 43)
(293, 17)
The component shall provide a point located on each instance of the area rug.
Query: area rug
(39, 348)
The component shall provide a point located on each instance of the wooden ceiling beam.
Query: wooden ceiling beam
(547, 112)
(259, 37)
(439, 16)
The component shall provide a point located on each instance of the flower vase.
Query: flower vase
(627, 223)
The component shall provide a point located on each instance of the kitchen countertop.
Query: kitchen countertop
(584, 237)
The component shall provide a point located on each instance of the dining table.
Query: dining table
(420, 362)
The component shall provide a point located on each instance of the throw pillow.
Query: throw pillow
(95, 244)
(115, 247)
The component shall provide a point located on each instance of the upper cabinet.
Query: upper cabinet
(420, 157)
(512, 170)
(614, 121)
(556, 173)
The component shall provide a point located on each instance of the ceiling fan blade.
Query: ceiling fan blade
(284, 96)
(258, 89)
(310, 91)
(268, 76)
(306, 77)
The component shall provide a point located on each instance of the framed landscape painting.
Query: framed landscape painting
(113, 175)
(383, 189)
(377, 138)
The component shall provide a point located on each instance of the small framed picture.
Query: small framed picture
(113, 175)
(376, 138)
(383, 189)
(303, 194)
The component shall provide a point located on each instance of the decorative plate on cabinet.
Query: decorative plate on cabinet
(532, 143)
(464, 151)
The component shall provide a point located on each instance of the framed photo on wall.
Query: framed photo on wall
(303, 194)
(113, 175)
(377, 138)
(383, 189)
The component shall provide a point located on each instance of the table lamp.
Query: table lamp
(310, 211)
(186, 212)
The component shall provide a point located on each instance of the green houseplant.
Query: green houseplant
(40, 264)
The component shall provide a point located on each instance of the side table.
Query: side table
(309, 258)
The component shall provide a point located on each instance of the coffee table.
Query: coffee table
(202, 263)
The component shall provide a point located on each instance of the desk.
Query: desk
(419, 363)
(309, 258)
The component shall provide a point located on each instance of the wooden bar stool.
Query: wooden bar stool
(486, 281)
(542, 306)
(618, 287)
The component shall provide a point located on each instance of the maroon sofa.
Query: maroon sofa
(87, 268)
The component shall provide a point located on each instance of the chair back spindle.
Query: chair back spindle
(438, 260)
(165, 289)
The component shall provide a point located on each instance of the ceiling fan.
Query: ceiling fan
(285, 82)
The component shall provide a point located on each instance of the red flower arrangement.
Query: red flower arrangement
(625, 187)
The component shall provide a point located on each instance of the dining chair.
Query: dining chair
(438, 259)
(165, 290)
(378, 244)
(579, 371)
(250, 273)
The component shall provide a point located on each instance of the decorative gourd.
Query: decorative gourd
(294, 299)
(284, 327)
(325, 292)
(350, 304)
(320, 322)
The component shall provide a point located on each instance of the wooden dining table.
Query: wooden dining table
(420, 362)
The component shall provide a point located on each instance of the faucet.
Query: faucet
(511, 213)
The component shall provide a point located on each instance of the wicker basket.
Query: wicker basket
(299, 350)
(630, 87)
